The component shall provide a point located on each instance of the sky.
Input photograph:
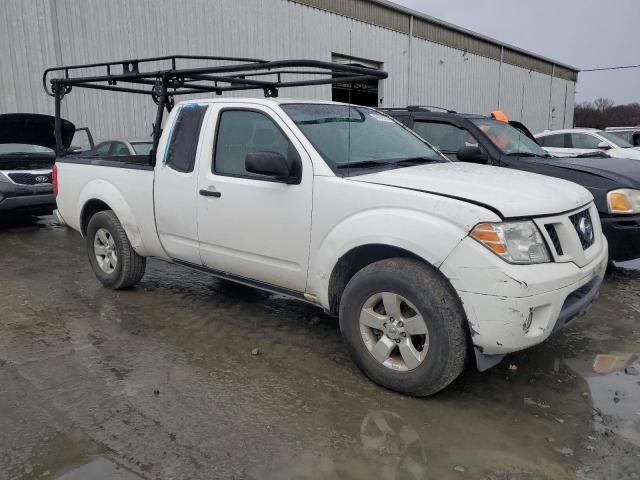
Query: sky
(581, 33)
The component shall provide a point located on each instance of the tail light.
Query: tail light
(54, 179)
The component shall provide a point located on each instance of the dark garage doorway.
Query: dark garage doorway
(365, 93)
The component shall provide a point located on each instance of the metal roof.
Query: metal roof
(396, 17)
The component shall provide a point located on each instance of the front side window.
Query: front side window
(508, 139)
(445, 137)
(347, 135)
(585, 141)
(245, 131)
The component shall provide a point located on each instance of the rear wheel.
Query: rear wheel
(404, 326)
(113, 259)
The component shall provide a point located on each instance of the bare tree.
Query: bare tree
(602, 113)
(603, 104)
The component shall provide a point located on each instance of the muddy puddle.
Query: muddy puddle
(190, 377)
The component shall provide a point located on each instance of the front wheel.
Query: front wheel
(404, 326)
(113, 259)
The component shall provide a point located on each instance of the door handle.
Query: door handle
(209, 193)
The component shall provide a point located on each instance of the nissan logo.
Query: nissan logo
(42, 179)
(586, 229)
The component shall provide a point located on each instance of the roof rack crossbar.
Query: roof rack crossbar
(129, 76)
(236, 74)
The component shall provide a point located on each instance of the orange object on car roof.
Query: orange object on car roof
(500, 116)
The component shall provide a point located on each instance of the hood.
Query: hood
(510, 193)
(34, 129)
(622, 171)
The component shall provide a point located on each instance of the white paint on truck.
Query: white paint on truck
(285, 236)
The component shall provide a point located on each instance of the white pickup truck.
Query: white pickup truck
(341, 206)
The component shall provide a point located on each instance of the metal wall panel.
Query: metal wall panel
(164, 26)
(26, 46)
(420, 71)
(525, 96)
(447, 77)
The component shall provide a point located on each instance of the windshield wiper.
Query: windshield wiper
(365, 164)
(403, 162)
(407, 162)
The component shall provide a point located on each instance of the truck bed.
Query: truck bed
(123, 183)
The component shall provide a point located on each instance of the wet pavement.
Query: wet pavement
(162, 381)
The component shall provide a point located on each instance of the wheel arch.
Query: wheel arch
(356, 259)
(100, 195)
(89, 209)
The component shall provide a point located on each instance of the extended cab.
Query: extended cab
(341, 206)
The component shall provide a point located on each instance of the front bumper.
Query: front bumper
(623, 235)
(22, 197)
(513, 307)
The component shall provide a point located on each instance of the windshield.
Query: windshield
(23, 148)
(142, 148)
(615, 139)
(353, 135)
(508, 139)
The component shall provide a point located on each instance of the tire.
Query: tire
(129, 266)
(436, 350)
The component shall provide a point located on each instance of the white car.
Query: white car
(573, 142)
(343, 207)
(118, 147)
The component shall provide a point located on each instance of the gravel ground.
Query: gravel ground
(189, 377)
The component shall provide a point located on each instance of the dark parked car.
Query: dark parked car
(613, 182)
(26, 162)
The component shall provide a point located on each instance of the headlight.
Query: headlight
(515, 242)
(624, 200)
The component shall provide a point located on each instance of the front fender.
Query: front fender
(109, 194)
(427, 236)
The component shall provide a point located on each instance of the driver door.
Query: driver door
(253, 227)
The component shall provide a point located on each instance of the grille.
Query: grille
(584, 227)
(31, 178)
(553, 234)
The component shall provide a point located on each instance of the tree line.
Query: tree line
(603, 113)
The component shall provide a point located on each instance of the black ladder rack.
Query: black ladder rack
(142, 76)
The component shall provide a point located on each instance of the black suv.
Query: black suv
(483, 139)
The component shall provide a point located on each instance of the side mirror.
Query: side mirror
(472, 155)
(604, 146)
(273, 164)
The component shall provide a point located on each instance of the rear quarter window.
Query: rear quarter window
(183, 143)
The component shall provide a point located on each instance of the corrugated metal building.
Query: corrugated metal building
(429, 61)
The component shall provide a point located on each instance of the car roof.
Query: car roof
(425, 111)
(568, 130)
(129, 140)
